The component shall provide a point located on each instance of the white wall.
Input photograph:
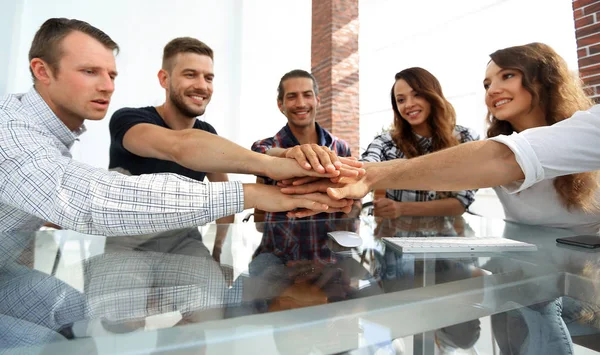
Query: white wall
(451, 39)
(9, 39)
(255, 42)
(276, 39)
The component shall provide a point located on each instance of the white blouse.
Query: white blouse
(567, 147)
(540, 205)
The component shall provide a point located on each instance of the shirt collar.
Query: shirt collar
(323, 136)
(44, 115)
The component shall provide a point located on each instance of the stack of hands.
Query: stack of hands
(322, 181)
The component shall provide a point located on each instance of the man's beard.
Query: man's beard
(178, 102)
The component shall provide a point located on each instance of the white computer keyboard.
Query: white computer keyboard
(456, 244)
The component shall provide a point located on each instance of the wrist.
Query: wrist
(249, 195)
(399, 208)
(263, 165)
(372, 176)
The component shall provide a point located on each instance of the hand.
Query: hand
(349, 188)
(283, 168)
(321, 159)
(387, 208)
(270, 199)
(345, 171)
(341, 205)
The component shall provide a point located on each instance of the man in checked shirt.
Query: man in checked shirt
(305, 140)
(73, 68)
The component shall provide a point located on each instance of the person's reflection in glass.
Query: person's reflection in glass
(297, 265)
(401, 271)
(121, 290)
(35, 308)
(544, 327)
(157, 274)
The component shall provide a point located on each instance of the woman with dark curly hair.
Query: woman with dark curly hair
(424, 122)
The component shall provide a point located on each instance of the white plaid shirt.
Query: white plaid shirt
(39, 181)
(383, 148)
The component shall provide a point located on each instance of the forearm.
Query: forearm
(202, 151)
(466, 166)
(444, 207)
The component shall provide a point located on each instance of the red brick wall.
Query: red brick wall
(334, 62)
(587, 31)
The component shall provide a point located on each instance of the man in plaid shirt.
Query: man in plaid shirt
(298, 100)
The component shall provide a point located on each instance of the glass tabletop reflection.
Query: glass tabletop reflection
(61, 287)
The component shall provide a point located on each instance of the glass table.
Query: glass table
(286, 288)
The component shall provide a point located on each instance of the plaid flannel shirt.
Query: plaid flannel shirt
(383, 148)
(302, 239)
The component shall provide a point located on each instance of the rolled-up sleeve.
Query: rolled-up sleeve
(567, 147)
(526, 158)
(262, 146)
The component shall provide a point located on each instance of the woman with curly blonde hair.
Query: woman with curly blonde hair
(530, 86)
(424, 122)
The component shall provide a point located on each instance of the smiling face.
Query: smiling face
(82, 85)
(413, 108)
(189, 83)
(299, 103)
(506, 98)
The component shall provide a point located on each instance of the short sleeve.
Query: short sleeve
(205, 126)
(122, 120)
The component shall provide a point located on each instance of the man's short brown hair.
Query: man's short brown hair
(183, 45)
(46, 43)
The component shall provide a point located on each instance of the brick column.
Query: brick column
(587, 31)
(334, 64)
